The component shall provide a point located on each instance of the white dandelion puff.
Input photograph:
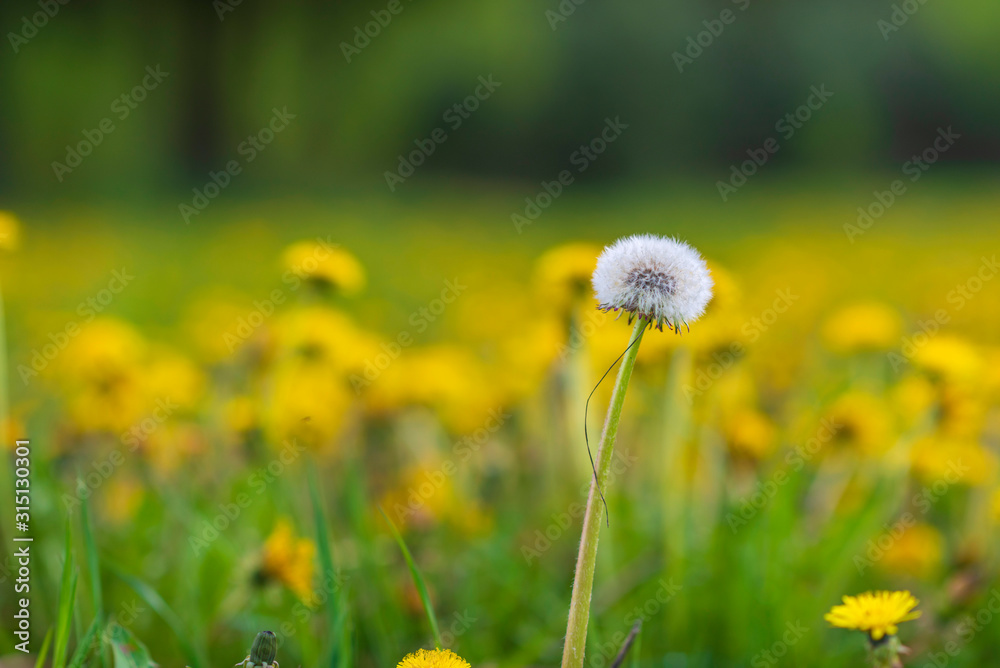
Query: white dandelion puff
(658, 278)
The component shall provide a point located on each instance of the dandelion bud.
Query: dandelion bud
(265, 648)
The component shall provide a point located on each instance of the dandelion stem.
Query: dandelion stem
(586, 561)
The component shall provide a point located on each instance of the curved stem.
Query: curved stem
(586, 560)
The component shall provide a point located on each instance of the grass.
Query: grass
(706, 594)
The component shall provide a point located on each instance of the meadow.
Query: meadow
(218, 411)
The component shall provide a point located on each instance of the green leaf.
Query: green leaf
(128, 651)
(93, 565)
(43, 654)
(418, 580)
(67, 596)
(335, 616)
(156, 602)
(83, 647)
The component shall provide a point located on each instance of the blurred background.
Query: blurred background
(562, 74)
(246, 242)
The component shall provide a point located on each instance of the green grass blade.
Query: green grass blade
(83, 647)
(44, 653)
(336, 619)
(418, 580)
(156, 602)
(93, 566)
(67, 596)
(128, 651)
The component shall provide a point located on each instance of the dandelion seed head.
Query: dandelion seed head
(659, 278)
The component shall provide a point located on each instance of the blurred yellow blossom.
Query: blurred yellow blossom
(937, 459)
(750, 434)
(325, 265)
(306, 402)
(10, 231)
(912, 397)
(289, 560)
(172, 377)
(322, 335)
(563, 274)
(863, 327)
(121, 498)
(948, 357)
(861, 422)
(916, 552)
(240, 414)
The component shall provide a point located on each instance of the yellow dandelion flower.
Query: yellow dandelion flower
(941, 460)
(216, 323)
(433, 658)
(240, 414)
(289, 560)
(122, 499)
(325, 265)
(562, 274)
(912, 398)
(10, 231)
(861, 422)
(101, 349)
(876, 613)
(962, 411)
(170, 376)
(750, 433)
(949, 357)
(863, 327)
(916, 552)
(321, 335)
(306, 402)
